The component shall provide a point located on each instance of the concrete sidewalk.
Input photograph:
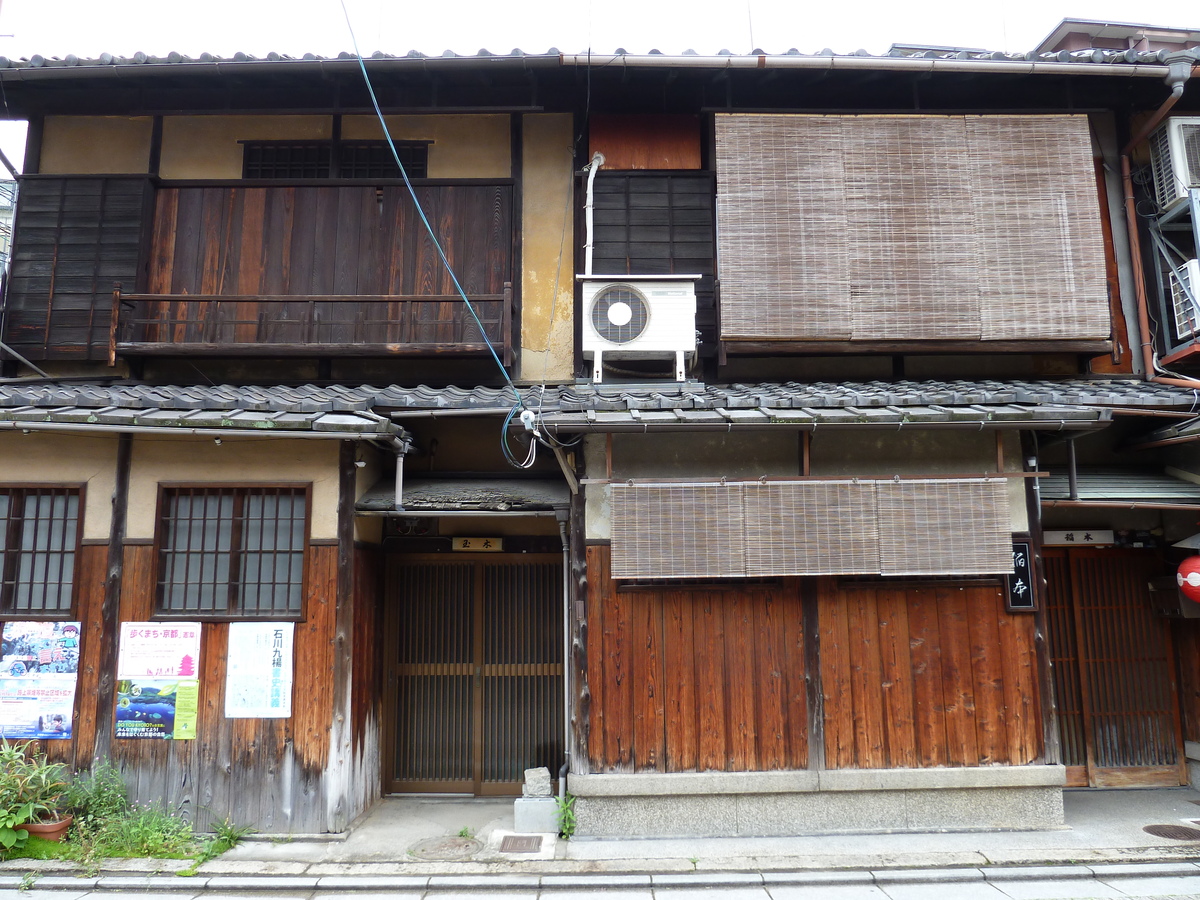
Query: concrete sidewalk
(435, 839)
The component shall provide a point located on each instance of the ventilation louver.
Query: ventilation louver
(639, 317)
(1185, 298)
(1175, 160)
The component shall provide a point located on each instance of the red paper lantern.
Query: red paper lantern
(1188, 577)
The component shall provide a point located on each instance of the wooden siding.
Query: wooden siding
(659, 223)
(332, 241)
(74, 237)
(645, 142)
(926, 676)
(272, 774)
(694, 680)
(716, 680)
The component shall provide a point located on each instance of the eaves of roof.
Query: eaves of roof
(379, 412)
(1119, 487)
(1129, 63)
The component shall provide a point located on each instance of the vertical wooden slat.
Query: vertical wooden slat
(649, 739)
(961, 741)
(896, 677)
(740, 684)
(679, 681)
(985, 605)
(836, 685)
(711, 682)
(865, 679)
(768, 643)
(929, 703)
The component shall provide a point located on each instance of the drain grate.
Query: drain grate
(450, 847)
(521, 843)
(1174, 832)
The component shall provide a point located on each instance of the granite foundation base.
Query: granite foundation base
(806, 803)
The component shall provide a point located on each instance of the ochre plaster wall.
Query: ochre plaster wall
(207, 146)
(463, 146)
(65, 459)
(95, 145)
(547, 248)
(233, 461)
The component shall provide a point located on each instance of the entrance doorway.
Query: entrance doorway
(474, 671)
(1114, 669)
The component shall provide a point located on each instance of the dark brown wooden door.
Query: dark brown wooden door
(1114, 669)
(474, 671)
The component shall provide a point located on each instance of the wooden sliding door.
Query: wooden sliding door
(1114, 669)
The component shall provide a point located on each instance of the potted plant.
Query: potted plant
(30, 791)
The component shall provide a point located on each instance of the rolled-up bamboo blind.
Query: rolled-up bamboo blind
(908, 228)
(852, 527)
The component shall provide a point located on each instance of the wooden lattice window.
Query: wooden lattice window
(39, 543)
(232, 552)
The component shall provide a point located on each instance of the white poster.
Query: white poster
(39, 663)
(159, 650)
(258, 671)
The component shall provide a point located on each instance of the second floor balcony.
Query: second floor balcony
(262, 270)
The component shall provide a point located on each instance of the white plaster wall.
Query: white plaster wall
(44, 458)
(234, 461)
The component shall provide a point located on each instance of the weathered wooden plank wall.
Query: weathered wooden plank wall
(267, 773)
(926, 676)
(910, 676)
(324, 240)
(694, 680)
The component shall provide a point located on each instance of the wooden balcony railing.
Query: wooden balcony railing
(272, 326)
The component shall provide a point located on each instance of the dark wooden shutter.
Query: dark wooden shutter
(908, 228)
(74, 237)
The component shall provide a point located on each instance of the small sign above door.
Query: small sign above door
(1091, 537)
(478, 544)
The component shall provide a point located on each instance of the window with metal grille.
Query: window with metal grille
(330, 159)
(39, 542)
(373, 159)
(232, 552)
(287, 159)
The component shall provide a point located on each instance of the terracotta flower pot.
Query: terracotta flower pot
(50, 831)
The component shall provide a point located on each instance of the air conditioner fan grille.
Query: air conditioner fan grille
(620, 314)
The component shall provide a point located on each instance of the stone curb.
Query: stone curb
(128, 882)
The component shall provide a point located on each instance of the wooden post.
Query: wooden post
(581, 713)
(340, 769)
(112, 324)
(1051, 737)
(110, 611)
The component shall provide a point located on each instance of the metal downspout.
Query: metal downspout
(1177, 79)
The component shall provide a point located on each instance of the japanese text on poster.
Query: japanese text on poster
(157, 686)
(39, 664)
(258, 674)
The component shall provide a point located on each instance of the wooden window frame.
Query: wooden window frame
(233, 610)
(11, 553)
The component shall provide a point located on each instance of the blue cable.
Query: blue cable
(429, 228)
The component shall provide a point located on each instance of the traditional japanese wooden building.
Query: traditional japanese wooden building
(766, 444)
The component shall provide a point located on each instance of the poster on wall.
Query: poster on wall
(160, 708)
(39, 665)
(258, 673)
(158, 691)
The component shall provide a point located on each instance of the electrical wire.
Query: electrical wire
(520, 404)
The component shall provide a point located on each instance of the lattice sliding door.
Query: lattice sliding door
(474, 672)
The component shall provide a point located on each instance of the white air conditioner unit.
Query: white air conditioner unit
(639, 317)
(1185, 298)
(1175, 160)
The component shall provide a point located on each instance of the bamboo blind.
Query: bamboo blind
(944, 527)
(811, 528)
(716, 530)
(908, 227)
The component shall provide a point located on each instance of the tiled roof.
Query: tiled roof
(553, 55)
(364, 408)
